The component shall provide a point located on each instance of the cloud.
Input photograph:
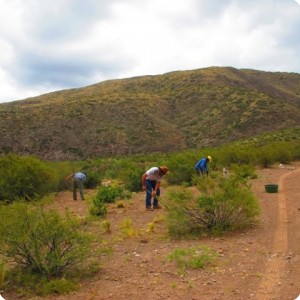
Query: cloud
(52, 45)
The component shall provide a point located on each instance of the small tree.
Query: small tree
(42, 242)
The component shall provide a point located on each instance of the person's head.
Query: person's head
(209, 158)
(163, 170)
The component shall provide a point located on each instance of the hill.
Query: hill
(148, 114)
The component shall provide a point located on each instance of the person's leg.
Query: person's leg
(202, 171)
(74, 190)
(155, 200)
(149, 188)
(80, 187)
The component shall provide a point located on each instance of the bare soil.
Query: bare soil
(262, 262)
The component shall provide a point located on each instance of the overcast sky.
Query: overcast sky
(49, 45)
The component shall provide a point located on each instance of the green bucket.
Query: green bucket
(271, 188)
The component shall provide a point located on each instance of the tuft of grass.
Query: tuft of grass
(193, 258)
(127, 228)
(120, 204)
(59, 287)
(151, 227)
(106, 226)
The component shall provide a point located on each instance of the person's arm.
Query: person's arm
(157, 186)
(69, 176)
(144, 182)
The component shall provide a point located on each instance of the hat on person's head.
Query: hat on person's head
(209, 158)
(164, 169)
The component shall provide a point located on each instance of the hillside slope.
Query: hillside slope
(173, 111)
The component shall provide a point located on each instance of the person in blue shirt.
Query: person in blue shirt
(201, 166)
(78, 179)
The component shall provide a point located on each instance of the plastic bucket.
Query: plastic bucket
(271, 188)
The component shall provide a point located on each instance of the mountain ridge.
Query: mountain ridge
(154, 113)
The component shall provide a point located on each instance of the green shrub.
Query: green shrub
(110, 193)
(181, 170)
(58, 286)
(39, 241)
(106, 194)
(223, 204)
(244, 171)
(93, 180)
(98, 208)
(32, 284)
(267, 156)
(132, 181)
(24, 177)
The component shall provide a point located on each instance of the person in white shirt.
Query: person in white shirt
(151, 180)
(78, 179)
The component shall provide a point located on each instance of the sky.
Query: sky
(51, 45)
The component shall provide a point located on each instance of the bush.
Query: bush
(93, 180)
(224, 204)
(24, 177)
(181, 170)
(244, 171)
(110, 193)
(106, 194)
(39, 241)
(32, 284)
(98, 208)
(133, 181)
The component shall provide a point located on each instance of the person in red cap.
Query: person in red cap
(151, 180)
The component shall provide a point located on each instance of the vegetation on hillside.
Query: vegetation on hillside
(152, 114)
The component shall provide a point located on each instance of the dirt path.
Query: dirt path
(273, 277)
(259, 263)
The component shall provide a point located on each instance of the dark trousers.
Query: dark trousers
(201, 172)
(150, 186)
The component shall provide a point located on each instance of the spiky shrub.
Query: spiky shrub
(41, 241)
(223, 204)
